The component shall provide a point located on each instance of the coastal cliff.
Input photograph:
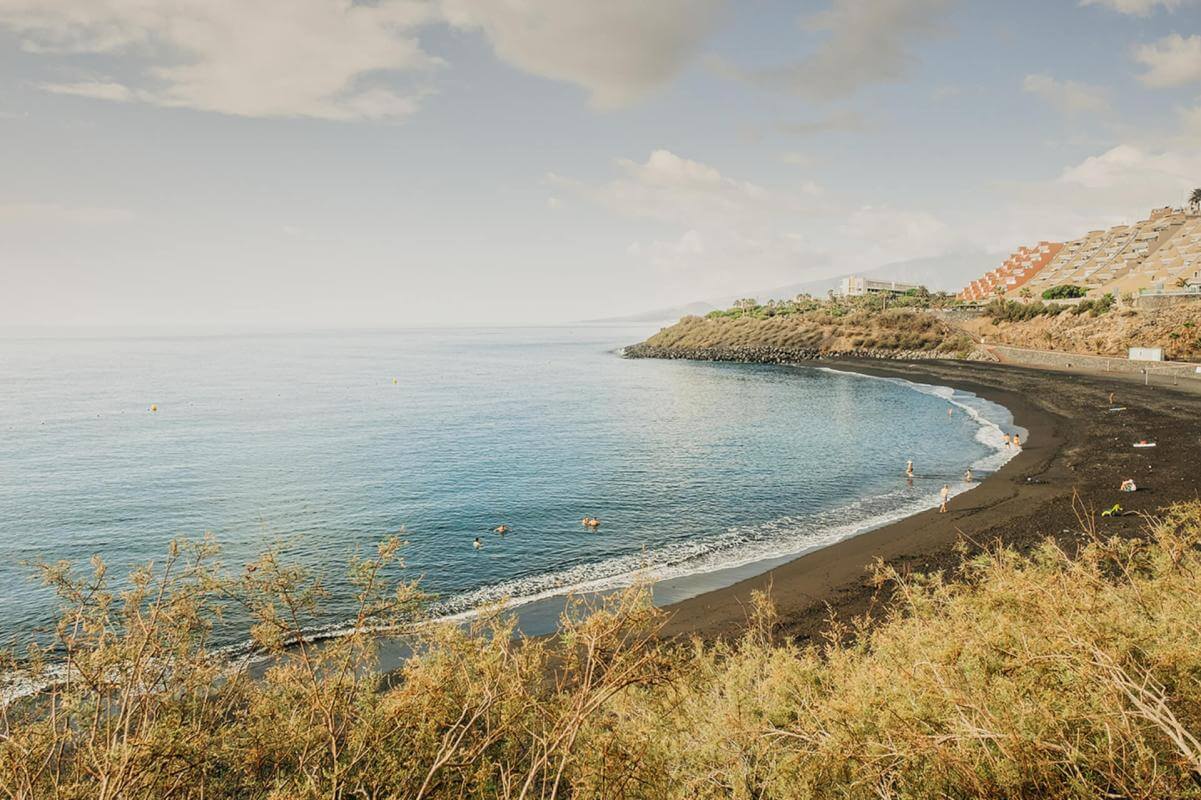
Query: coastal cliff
(819, 334)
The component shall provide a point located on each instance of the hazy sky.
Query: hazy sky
(397, 162)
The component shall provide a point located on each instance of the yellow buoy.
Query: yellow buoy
(395, 380)
(154, 406)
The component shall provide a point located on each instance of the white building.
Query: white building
(854, 286)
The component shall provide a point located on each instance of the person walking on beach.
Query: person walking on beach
(909, 468)
(1017, 441)
(944, 493)
(1006, 437)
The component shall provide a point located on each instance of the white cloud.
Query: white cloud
(718, 234)
(1119, 185)
(1127, 171)
(867, 42)
(618, 50)
(1139, 8)
(314, 58)
(1171, 61)
(342, 59)
(669, 188)
(1067, 96)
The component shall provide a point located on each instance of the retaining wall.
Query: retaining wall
(1153, 371)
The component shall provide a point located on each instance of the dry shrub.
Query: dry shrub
(1049, 675)
(859, 329)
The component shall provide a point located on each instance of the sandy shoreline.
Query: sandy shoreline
(1076, 445)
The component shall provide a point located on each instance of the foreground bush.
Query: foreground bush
(1042, 676)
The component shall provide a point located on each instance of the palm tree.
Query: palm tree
(1195, 199)
(1026, 293)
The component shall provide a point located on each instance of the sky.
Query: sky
(327, 163)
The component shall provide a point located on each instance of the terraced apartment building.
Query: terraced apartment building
(1022, 265)
(1159, 254)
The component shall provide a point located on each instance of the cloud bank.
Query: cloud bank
(345, 60)
(315, 58)
(865, 42)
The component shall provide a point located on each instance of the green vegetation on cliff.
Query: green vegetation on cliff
(828, 328)
(1048, 675)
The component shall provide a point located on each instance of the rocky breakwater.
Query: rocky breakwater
(766, 354)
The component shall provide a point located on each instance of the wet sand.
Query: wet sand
(1076, 445)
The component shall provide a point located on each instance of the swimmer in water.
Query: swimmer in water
(477, 544)
(950, 411)
(502, 529)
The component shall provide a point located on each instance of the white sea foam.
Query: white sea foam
(744, 545)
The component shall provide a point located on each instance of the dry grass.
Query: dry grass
(818, 330)
(1049, 676)
(1176, 329)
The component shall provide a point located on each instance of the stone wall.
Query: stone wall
(1161, 372)
(1154, 301)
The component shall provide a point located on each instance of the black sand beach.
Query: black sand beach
(1076, 446)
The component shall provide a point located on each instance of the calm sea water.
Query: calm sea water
(326, 443)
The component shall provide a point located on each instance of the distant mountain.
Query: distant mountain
(948, 273)
(672, 314)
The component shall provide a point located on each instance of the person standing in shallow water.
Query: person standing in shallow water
(944, 493)
(909, 468)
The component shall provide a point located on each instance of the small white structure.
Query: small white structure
(854, 286)
(1146, 354)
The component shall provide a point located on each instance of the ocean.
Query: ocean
(321, 444)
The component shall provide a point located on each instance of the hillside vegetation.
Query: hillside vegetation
(1109, 330)
(1041, 676)
(919, 324)
(826, 329)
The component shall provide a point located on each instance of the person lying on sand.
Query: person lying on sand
(1128, 486)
